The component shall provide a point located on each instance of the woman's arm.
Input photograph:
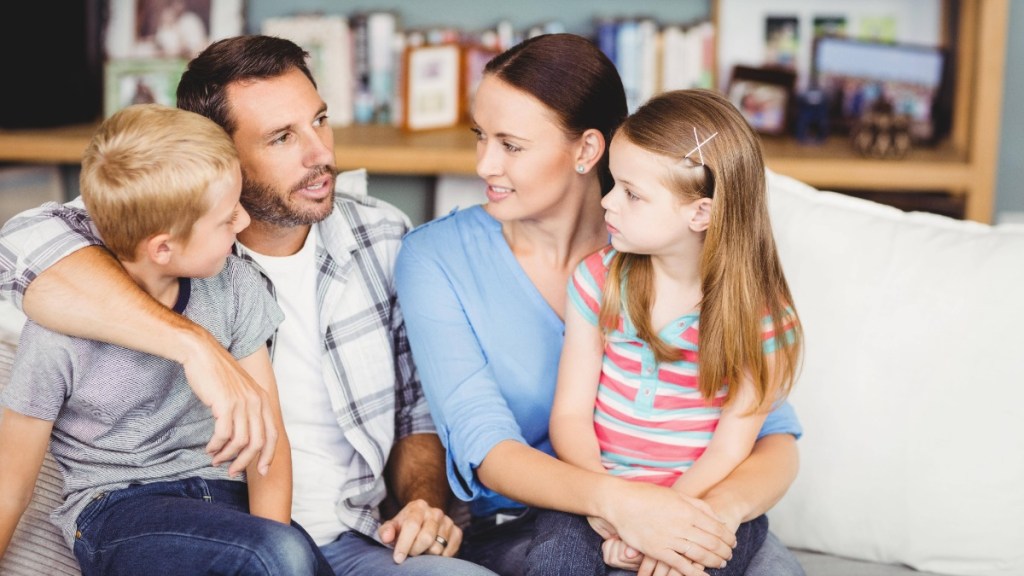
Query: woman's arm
(572, 413)
(23, 443)
(270, 494)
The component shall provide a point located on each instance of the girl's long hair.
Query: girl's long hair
(741, 276)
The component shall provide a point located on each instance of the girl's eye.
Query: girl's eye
(511, 147)
(321, 120)
(478, 133)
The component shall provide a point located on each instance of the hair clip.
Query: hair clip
(699, 144)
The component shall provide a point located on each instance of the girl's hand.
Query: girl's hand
(618, 554)
(655, 568)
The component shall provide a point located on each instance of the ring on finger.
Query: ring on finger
(441, 540)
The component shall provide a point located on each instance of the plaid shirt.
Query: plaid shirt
(370, 377)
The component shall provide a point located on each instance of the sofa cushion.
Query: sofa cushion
(912, 387)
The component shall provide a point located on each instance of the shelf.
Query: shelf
(386, 150)
(964, 166)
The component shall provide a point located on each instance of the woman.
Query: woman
(483, 294)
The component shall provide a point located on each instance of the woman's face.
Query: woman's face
(522, 153)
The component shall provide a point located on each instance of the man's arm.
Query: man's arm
(417, 479)
(89, 295)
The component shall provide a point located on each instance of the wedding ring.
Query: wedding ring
(441, 540)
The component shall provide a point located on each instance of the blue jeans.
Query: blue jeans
(354, 554)
(503, 548)
(566, 545)
(190, 526)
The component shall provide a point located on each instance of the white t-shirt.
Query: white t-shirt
(320, 452)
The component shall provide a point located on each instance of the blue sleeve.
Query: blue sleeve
(465, 401)
(782, 420)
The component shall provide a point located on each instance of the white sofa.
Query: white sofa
(911, 395)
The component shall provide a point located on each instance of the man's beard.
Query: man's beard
(265, 204)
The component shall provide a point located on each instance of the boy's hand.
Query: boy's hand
(419, 528)
(244, 423)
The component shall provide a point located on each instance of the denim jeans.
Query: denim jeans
(353, 554)
(190, 526)
(566, 545)
(503, 548)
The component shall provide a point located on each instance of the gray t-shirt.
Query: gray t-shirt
(122, 417)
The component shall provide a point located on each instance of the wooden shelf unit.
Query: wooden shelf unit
(964, 164)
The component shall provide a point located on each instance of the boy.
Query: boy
(141, 494)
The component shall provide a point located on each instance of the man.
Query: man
(351, 401)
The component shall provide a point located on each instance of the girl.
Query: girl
(683, 327)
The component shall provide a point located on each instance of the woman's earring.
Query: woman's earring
(581, 168)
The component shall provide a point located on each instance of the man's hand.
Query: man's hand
(421, 529)
(244, 423)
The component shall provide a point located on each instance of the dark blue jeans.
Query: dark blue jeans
(566, 545)
(190, 526)
(503, 548)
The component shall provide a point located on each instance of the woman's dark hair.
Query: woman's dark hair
(572, 77)
(203, 87)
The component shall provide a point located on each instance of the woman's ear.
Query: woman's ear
(701, 218)
(592, 146)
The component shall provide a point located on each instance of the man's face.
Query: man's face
(286, 148)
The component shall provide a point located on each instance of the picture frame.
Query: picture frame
(327, 40)
(763, 96)
(433, 87)
(148, 29)
(128, 82)
(474, 59)
(910, 79)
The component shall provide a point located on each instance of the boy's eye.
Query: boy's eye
(630, 195)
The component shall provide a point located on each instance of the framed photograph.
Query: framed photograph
(326, 38)
(130, 82)
(762, 95)
(474, 59)
(169, 28)
(433, 82)
(781, 41)
(858, 74)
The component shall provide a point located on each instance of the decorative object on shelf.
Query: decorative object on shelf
(858, 73)
(169, 28)
(881, 132)
(326, 38)
(130, 82)
(432, 94)
(812, 123)
(762, 95)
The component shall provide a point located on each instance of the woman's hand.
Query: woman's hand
(665, 526)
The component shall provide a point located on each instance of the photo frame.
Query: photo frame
(326, 39)
(146, 29)
(433, 82)
(128, 82)
(763, 96)
(909, 79)
(474, 59)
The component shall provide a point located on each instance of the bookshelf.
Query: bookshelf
(963, 165)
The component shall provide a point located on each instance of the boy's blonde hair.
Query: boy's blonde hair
(146, 171)
(741, 276)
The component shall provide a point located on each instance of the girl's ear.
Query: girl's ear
(158, 248)
(701, 218)
(591, 149)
